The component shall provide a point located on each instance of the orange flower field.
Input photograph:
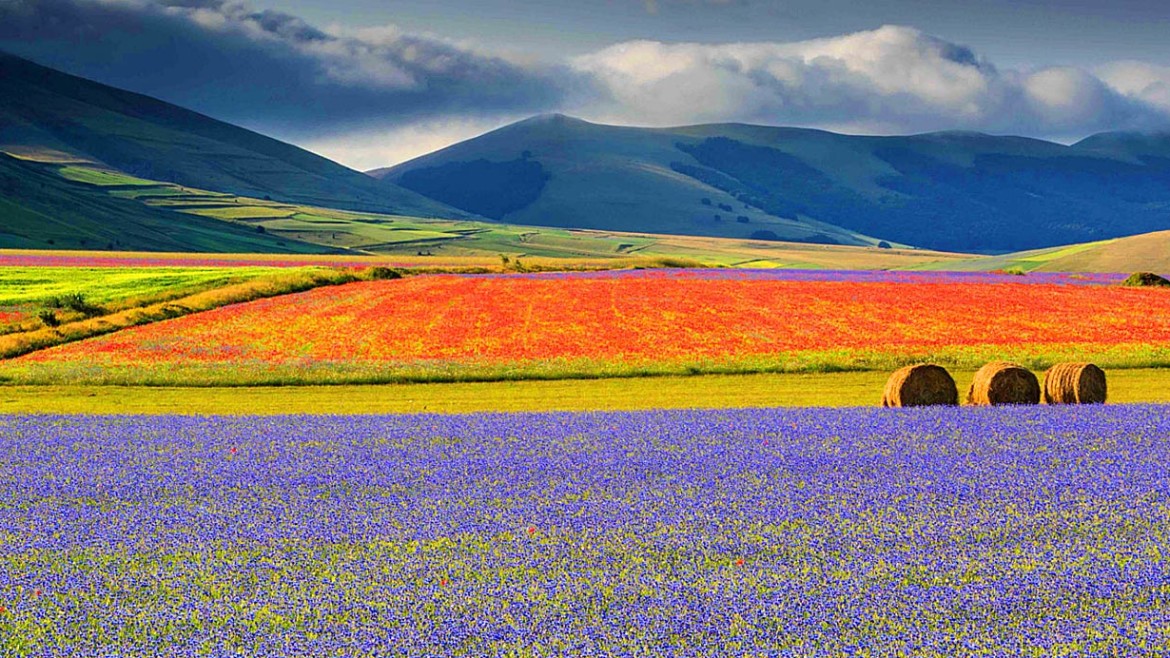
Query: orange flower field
(454, 327)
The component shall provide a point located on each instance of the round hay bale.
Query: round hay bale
(920, 386)
(1074, 383)
(1001, 382)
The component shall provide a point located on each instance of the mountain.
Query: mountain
(49, 115)
(955, 191)
(39, 209)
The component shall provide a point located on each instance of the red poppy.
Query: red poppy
(654, 318)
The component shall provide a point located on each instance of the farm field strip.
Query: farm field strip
(26, 291)
(36, 284)
(92, 259)
(929, 532)
(468, 328)
(842, 389)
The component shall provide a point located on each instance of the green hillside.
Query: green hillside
(953, 191)
(42, 209)
(51, 116)
(583, 175)
(80, 202)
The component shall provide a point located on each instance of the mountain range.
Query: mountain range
(954, 191)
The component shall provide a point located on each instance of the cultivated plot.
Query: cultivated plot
(455, 328)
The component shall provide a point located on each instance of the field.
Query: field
(622, 324)
(291, 227)
(837, 389)
(615, 511)
(1022, 532)
(27, 291)
(31, 285)
(1146, 252)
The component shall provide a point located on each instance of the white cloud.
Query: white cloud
(892, 79)
(1147, 83)
(371, 149)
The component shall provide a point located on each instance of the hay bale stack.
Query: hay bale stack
(920, 386)
(1001, 382)
(1074, 383)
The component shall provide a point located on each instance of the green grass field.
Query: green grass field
(712, 391)
(76, 369)
(102, 285)
(102, 177)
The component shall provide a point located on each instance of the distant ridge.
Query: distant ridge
(45, 113)
(954, 190)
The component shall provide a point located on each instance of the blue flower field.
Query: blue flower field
(1037, 531)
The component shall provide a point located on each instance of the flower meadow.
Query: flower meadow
(927, 532)
(458, 327)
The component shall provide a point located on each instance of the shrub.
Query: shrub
(78, 302)
(884, 245)
(49, 318)
(382, 273)
(1145, 280)
(743, 219)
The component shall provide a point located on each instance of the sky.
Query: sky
(371, 83)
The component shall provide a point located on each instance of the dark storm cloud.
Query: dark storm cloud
(269, 69)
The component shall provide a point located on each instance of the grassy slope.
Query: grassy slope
(1148, 252)
(444, 240)
(46, 113)
(40, 209)
(716, 391)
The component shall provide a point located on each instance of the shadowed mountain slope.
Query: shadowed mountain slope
(49, 115)
(39, 209)
(954, 190)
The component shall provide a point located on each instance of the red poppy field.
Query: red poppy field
(451, 328)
